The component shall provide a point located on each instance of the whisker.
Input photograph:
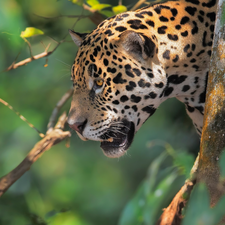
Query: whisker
(65, 70)
(118, 131)
(63, 63)
(120, 127)
(64, 75)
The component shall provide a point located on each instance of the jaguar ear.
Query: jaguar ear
(137, 44)
(77, 37)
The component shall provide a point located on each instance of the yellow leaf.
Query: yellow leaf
(119, 9)
(100, 6)
(31, 31)
(92, 2)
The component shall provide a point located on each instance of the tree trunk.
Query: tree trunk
(213, 136)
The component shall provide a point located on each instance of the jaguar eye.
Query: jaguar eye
(99, 83)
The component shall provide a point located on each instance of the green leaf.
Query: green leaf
(156, 199)
(31, 31)
(199, 212)
(184, 161)
(119, 9)
(96, 5)
(154, 170)
(92, 2)
(145, 207)
(218, 210)
(133, 212)
(77, 2)
(99, 7)
(222, 165)
(66, 218)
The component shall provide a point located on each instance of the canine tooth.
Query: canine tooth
(81, 137)
(110, 139)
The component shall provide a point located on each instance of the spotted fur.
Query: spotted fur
(143, 58)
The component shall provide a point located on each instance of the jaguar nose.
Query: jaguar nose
(79, 126)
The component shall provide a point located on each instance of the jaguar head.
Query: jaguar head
(113, 95)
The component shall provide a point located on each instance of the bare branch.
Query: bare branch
(21, 117)
(172, 215)
(57, 108)
(86, 7)
(28, 60)
(60, 16)
(54, 137)
(96, 17)
(32, 58)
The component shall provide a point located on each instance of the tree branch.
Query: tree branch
(54, 137)
(61, 16)
(95, 17)
(172, 215)
(138, 4)
(58, 106)
(32, 58)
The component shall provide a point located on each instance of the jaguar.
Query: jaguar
(132, 62)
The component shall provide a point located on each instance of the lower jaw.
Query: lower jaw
(114, 154)
(115, 150)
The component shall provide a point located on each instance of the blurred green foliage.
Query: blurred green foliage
(158, 188)
(78, 185)
(199, 211)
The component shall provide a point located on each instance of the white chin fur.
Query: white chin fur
(114, 154)
(81, 137)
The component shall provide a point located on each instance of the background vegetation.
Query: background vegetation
(78, 185)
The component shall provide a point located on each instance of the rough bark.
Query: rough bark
(172, 215)
(213, 136)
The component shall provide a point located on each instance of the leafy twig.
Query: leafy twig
(96, 18)
(21, 117)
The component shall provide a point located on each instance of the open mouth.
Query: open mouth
(119, 140)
